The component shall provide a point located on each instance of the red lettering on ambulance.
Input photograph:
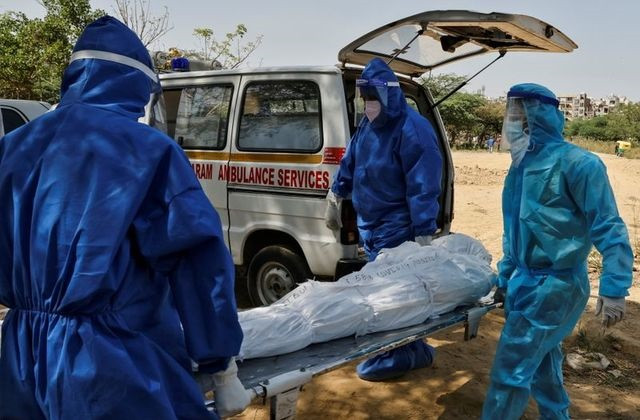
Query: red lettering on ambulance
(223, 173)
(311, 179)
(272, 176)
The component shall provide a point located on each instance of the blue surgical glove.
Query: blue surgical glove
(332, 214)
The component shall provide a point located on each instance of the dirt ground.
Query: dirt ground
(454, 388)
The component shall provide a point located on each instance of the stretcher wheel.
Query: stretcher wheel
(273, 272)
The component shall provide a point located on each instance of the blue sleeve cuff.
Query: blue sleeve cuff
(214, 365)
(612, 291)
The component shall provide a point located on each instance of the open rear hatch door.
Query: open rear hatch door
(445, 36)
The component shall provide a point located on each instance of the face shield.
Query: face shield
(375, 90)
(515, 129)
(155, 113)
(515, 124)
(370, 90)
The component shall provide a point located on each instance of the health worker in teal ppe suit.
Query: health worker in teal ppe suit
(557, 203)
(114, 265)
(392, 170)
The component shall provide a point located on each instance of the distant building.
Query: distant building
(605, 105)
(582, 106)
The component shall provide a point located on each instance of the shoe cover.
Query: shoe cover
(395, 363)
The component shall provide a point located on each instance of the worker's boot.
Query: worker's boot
(395, 363)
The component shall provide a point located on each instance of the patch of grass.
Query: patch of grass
(608, 147)
(598, 343)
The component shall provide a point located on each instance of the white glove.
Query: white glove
(423, 240)
(612, 310)
(230, 396)
(333, 213)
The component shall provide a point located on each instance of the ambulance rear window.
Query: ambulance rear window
(281, 116)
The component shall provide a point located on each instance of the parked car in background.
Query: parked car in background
(17, 112)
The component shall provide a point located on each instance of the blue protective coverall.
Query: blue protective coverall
(113, 259)
(556, 204)
(393, 170)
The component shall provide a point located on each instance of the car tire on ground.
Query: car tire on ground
(273, 272)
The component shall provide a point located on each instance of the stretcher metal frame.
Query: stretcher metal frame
(278, 380)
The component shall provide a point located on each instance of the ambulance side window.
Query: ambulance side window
(281, 116)
(202, 116)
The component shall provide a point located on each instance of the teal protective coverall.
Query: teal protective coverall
(556, 203)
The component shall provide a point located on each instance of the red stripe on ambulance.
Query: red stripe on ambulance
(333, 155)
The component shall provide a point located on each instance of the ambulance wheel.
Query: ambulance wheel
(273, 272)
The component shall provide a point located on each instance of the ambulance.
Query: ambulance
(265, 143)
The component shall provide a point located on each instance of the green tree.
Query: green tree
(572, 128)
(228, 53)
(632, 116)
(35, 52)
(441, 84)
(622, 123)
(490, 117)
(460, 117)
(463, 113)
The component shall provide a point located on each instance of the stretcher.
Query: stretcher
(278, 380)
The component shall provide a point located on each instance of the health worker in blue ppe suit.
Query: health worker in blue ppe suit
(557, 203)
(114, 265)
(392, 170)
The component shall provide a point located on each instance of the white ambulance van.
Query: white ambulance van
(265, 143)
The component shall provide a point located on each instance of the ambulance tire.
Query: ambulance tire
(273, 272)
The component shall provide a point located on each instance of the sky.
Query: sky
(312, 32)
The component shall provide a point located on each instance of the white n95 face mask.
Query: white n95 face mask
(519, 140)
(372, 109)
